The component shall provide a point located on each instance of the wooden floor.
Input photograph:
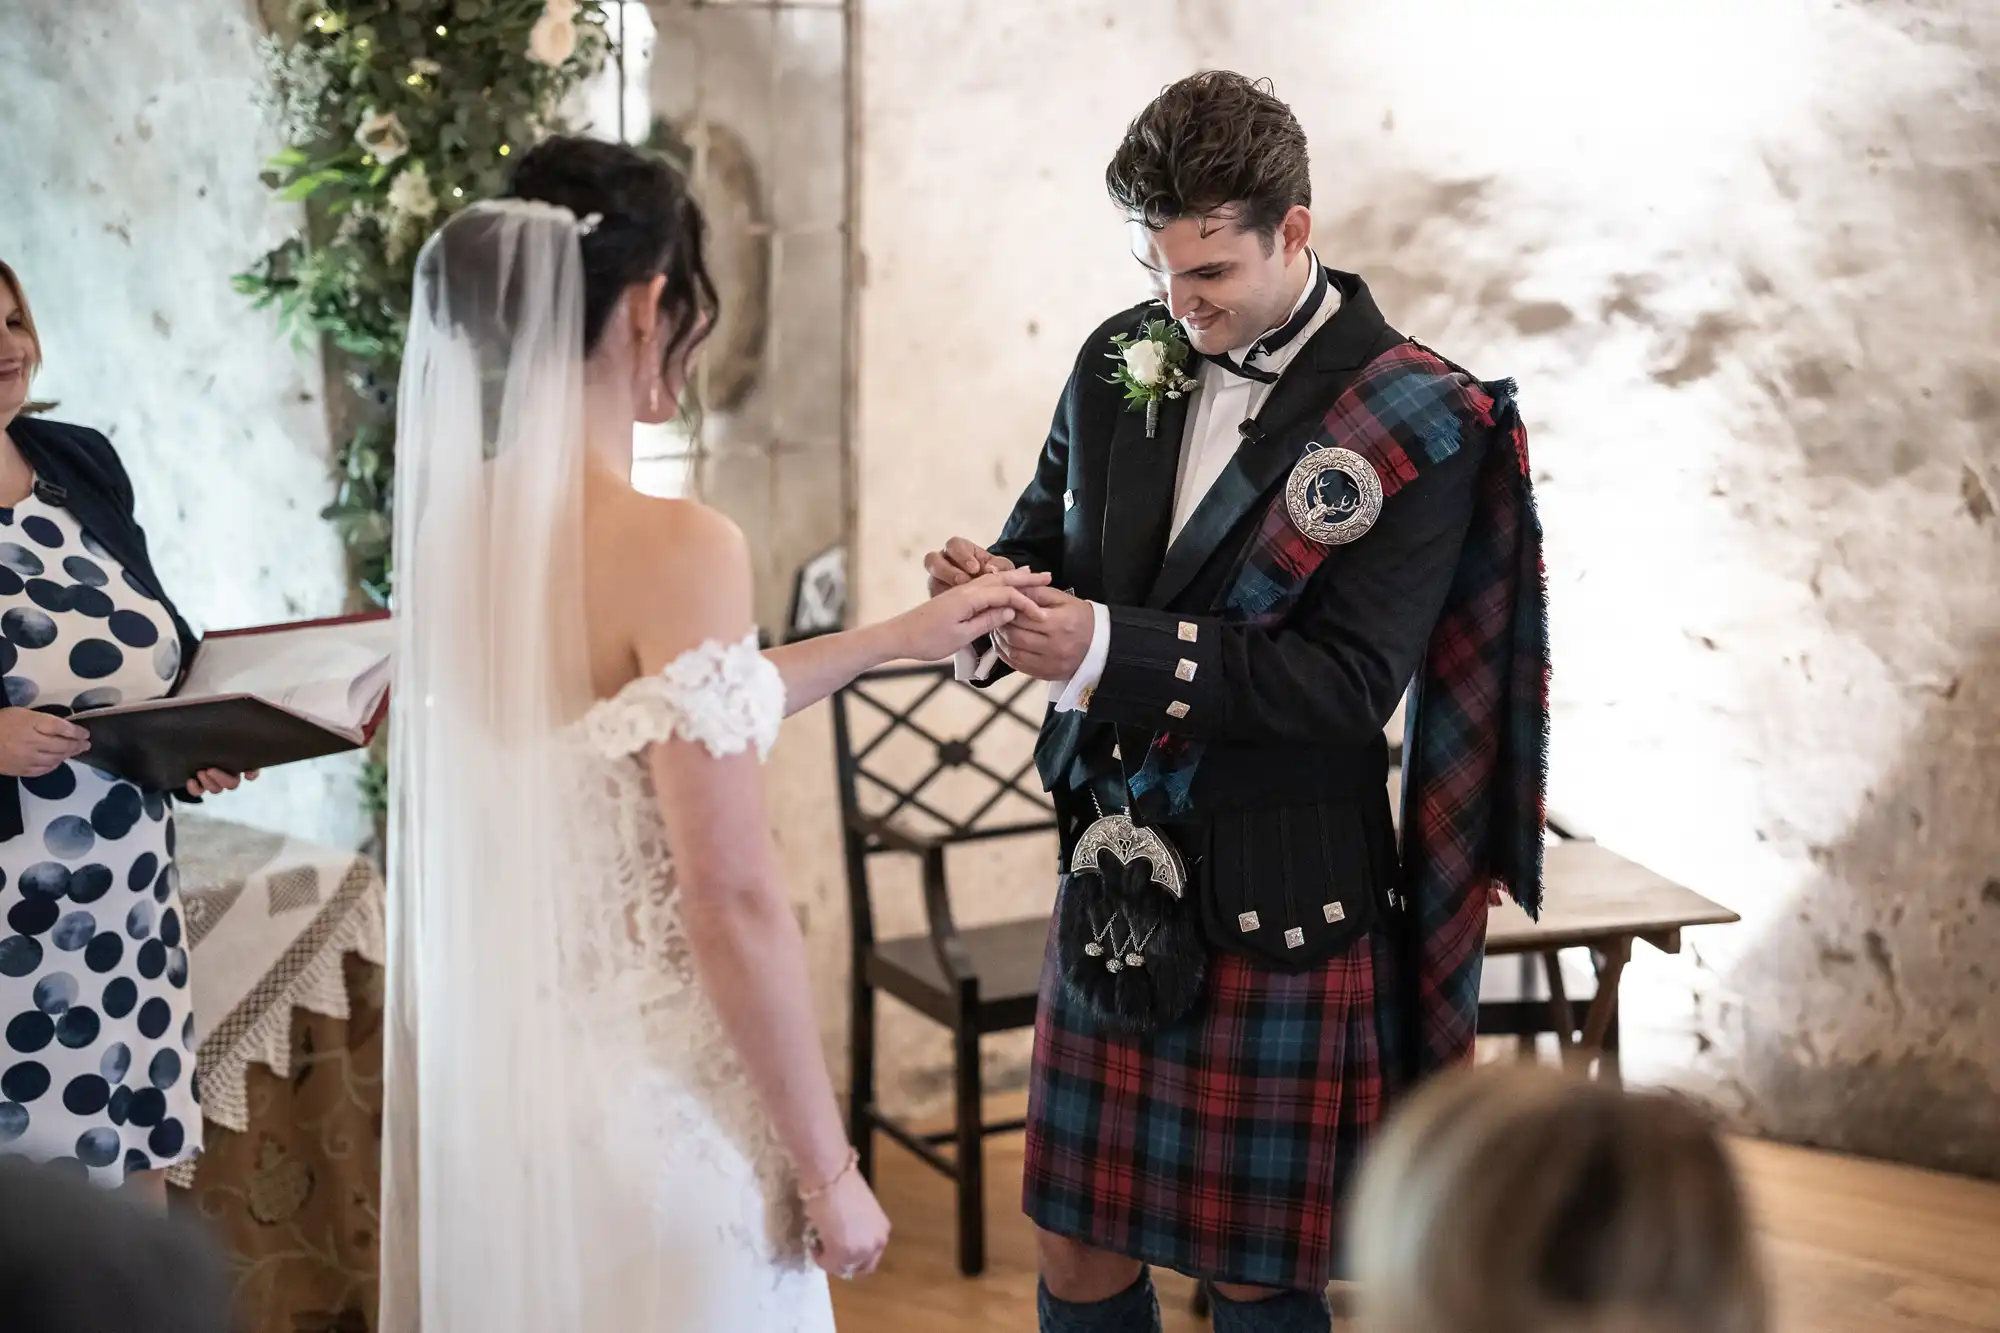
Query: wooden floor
(1853, 1247)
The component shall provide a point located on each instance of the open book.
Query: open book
(253, 698)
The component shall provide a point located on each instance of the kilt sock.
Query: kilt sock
(1133, 1310)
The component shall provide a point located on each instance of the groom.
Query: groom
(1281, 516)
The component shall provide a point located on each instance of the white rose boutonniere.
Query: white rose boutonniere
(382, 135)
(1145, 362)
(1152, 366)
(553, 38)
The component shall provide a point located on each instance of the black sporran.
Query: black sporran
(1130, 951)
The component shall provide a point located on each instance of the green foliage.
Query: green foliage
(395, 114)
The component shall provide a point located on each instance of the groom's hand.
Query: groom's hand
(1052, 648)
(961, 562)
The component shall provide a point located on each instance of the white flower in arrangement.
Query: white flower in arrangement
(383, 135)
(553, 38)
(1147, 361)
(410, 193)
(352, 223)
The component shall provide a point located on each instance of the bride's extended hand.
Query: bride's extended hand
(958, 616)
(849, 1230)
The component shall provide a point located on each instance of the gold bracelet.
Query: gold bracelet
(820, 1191)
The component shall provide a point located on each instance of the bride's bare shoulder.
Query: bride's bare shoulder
(677, 567)
(639, 537)
(658, 533)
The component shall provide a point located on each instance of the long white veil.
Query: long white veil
(495, 1197)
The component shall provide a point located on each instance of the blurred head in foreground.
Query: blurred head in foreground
(74, 1259)
(1514, 1199)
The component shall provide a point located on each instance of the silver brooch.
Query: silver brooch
(1333, 496)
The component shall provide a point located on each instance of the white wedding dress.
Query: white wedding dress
(569, 1139)
(720, 1242)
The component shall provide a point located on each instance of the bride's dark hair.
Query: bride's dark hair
(648, 224)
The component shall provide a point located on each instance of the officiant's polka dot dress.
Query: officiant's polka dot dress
(97, 1058)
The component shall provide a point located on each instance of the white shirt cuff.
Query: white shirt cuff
(971, 666)
(1073, 695)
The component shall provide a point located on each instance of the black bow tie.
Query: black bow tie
(1280, 337)
(1241, 369)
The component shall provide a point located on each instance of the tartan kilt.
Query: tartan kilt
(1222, 1147)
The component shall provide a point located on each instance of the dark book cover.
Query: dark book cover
(162, 743)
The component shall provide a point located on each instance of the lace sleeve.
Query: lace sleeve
(724, 697)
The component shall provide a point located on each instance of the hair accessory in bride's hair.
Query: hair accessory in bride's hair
(588, 223)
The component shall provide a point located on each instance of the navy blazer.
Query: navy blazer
(77, 469)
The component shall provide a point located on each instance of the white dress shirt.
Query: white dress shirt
(1222, 403)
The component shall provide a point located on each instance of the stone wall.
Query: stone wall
(1741, 258)
(130, 151)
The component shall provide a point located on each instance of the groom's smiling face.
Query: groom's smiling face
(1226, 285)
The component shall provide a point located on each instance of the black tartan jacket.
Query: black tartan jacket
(1290, 825)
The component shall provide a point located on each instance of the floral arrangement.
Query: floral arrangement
(1152, 366)
(394, 115)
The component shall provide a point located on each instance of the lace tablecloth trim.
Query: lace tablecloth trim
(310, 977)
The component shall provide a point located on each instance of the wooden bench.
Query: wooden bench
(1592, 898)
(1595, 899)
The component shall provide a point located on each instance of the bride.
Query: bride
(607, 1106)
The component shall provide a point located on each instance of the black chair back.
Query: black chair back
(925, 762)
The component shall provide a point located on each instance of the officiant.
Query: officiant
(97, 1069)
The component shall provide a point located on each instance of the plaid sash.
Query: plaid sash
(1475, 754)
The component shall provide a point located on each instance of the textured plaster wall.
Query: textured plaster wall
(129, 154)
(1742, 258)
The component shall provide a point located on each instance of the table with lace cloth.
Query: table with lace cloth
(287, 942)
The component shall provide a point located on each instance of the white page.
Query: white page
(314, 679)
(334, 674)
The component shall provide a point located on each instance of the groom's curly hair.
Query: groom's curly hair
(1216, 140)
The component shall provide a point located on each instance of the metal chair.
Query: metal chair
(966, 775)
